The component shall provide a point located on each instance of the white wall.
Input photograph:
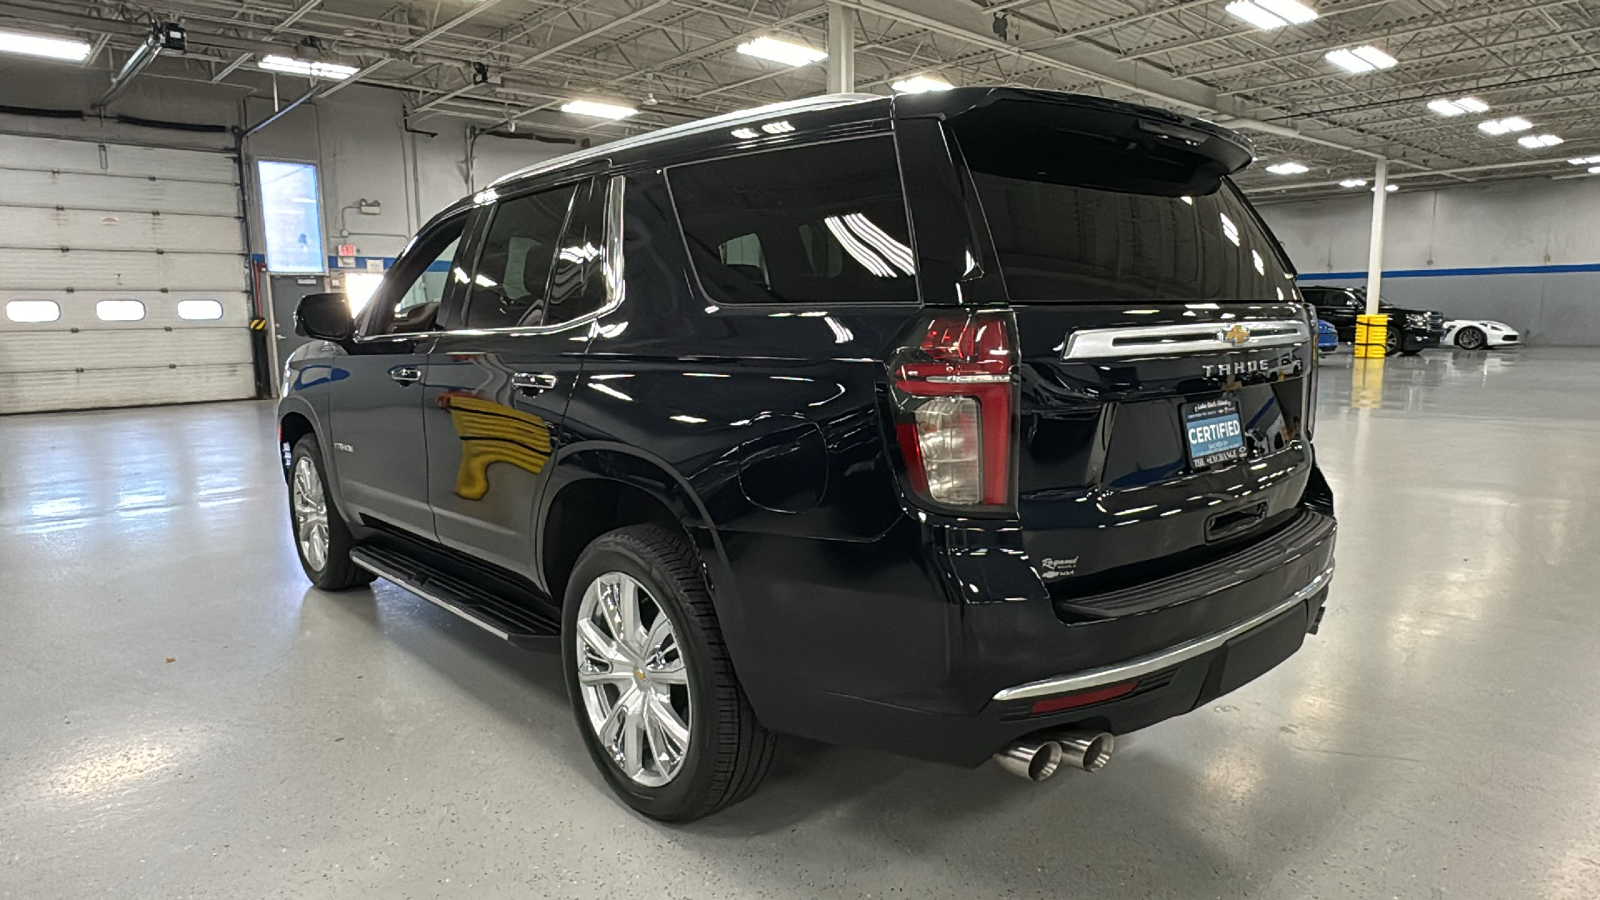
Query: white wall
(1525, 252)
(356, 137)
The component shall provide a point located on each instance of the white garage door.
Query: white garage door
(122, 276)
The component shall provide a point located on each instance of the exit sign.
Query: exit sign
(346, 250)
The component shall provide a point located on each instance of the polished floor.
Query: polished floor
(180, 716)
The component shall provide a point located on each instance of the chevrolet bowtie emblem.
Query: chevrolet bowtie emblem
(1236, 335)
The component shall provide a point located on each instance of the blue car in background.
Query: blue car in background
(1327, 337)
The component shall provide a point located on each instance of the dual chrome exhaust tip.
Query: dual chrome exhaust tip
(1040, 756)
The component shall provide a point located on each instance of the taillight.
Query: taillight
(954, 411)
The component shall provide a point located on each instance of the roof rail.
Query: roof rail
(743, 116)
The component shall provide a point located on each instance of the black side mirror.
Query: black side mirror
(325, 317)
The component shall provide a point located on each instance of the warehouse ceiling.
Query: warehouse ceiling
(511, 63)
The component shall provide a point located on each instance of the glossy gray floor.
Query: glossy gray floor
(181, 717)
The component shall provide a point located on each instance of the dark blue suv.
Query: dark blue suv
(956, 425)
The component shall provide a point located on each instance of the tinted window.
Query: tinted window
(513, 271)
(818, 224)
(412, 291)
(577, 284)
(1078, 217)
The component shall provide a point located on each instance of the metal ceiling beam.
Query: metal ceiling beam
(554, 48)
(482, 7)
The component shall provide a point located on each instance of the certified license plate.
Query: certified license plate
(1213, 432)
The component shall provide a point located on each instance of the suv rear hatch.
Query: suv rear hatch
(1166, 361)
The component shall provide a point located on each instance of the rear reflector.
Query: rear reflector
(1083, 698)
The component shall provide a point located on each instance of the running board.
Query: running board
(505, 619)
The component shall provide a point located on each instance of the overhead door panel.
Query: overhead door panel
(128, 269)
(38, 226)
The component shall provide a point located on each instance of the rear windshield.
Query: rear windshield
(1079, 217)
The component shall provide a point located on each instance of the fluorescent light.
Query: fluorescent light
(1287, 168)
(1505, 126)
(1584, 160)
(1539, 141)
(1353, 182)
(1458, 107)
(1594, 170)
(1364, 58)
(47, 47)
(598, 110)
(744, 134)
(306, 67)
(921, 84)
(1255, 15)
(1297, 13)
(790, 54)
(781, 126)
(1388, 188)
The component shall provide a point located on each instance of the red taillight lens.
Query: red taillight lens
(954, 396)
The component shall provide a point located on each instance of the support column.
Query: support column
(841, 49)
(1380, 192)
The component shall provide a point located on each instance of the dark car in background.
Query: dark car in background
(1410, 330)
(958, 424)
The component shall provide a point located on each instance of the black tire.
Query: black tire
(1392, 341)
(729, 752)
(1471, 338)
(337, 571)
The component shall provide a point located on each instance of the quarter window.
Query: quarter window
(513, 274)
(119, 310)
(33, 310)
(817, 224)
(199, 310)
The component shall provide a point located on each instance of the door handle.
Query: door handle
(406, 374)
(533, 382)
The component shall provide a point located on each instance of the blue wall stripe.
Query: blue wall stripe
(1435, 273)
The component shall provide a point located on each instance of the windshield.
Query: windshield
(1080, 217)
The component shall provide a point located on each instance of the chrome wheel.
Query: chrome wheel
(310, 507)
(633, 678)
(1470, 339)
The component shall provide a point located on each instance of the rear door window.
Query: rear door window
(512, 278)
(824, 223)
(1078, 217)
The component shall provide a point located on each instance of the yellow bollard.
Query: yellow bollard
(1372, 333)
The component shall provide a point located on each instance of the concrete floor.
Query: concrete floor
(182, 717)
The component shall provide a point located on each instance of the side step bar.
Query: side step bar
(502, 618)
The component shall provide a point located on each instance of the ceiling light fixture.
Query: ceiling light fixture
(1584, 160)
(1505, 126)
(1353, 183)
(1268, 15)
(47, 47)
(921, 84)
(1594, 170)
(1287, 168)
(597, 110)
(786, 52)
(1458, 107)
(306, 67)
(1364, 58)
(1539, 141)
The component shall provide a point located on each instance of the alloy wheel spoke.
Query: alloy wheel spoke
(633, 737)
(667, 720)
(600, 644)
(632, 634)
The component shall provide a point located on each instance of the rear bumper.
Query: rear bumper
(1008, 668)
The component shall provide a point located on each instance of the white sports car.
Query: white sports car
(1475, 334)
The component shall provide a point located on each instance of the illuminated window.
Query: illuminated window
(291, 211)
(199, 310)
(33, 311)
(359, 288)
(119, 310)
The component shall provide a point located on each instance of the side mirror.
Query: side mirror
(325, 317)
